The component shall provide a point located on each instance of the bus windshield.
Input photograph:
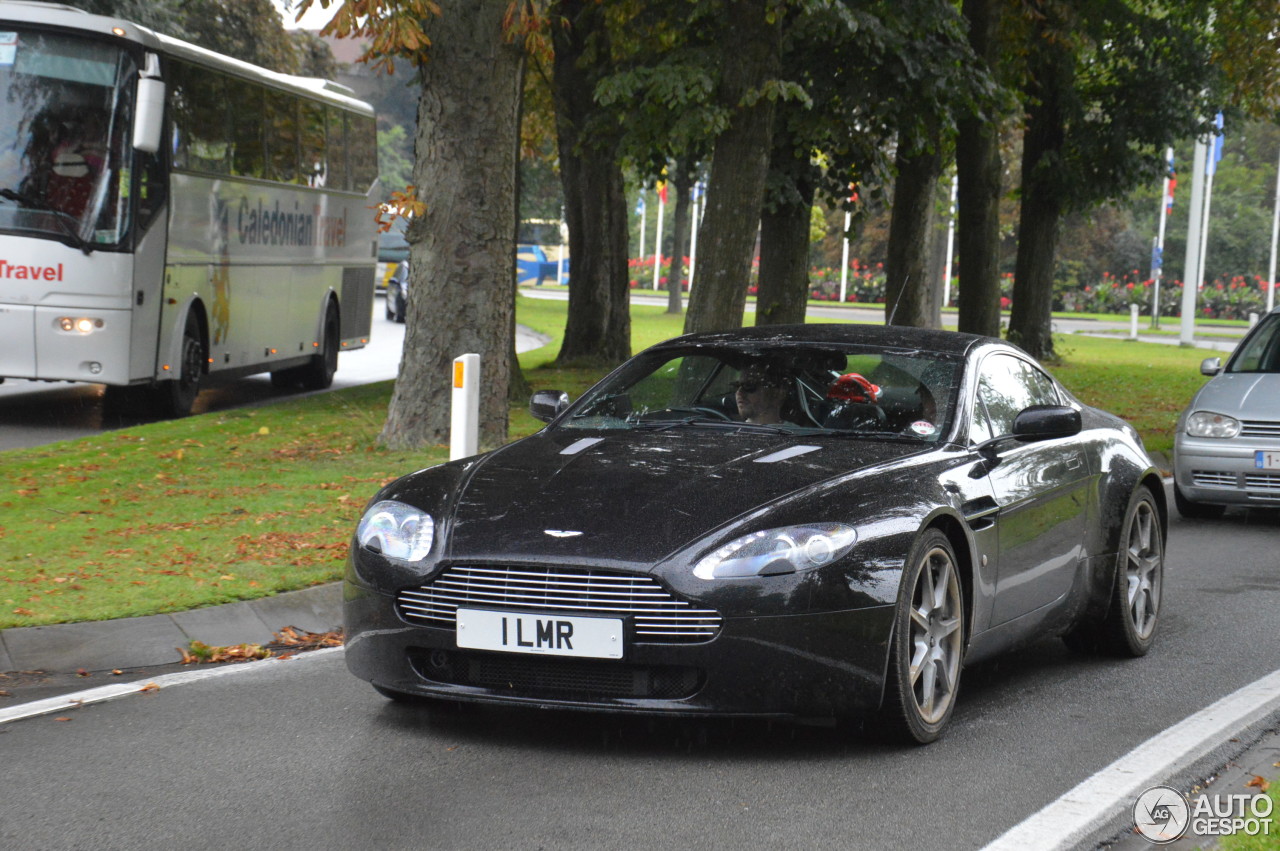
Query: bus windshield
(63, 158)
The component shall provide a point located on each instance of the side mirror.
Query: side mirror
(1046, 422)
(1211, 366)
(148, 112)
(546, 405)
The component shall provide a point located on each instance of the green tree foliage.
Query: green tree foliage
(395, 160)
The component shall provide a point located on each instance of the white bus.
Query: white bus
(168, 215)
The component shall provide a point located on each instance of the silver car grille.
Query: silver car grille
(657, 615)
(1259, 428)
(1212, 479)
(1262, 485)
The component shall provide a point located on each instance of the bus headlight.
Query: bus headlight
(79, 324)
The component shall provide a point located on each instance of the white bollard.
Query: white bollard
(1133, 322)
(464, 422)
(1253, 319)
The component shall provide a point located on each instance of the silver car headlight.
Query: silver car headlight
(772, 552)
(1209, 424)
(396, 530)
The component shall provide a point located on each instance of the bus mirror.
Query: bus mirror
(148, 118)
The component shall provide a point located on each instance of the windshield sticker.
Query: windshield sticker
(923, 427)
(8, 48)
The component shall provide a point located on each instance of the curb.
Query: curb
(155, 639)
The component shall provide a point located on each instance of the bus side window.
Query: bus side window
(362, 138)
(312, 167)
(282, 131)
(152, 190)
(336, 147)
(248, 159)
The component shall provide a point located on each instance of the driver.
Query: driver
(760, 392)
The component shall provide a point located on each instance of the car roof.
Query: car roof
(889, 336)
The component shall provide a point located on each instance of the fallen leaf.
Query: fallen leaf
(81, 672)
(1259, 782)
(264, 430)
(62, 718)
(24, 612)
(4, 693)
(116, 671)
(149, 687)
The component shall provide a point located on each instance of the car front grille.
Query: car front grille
(565, 679)
(1213, 479)
(1265, 486)
(1259, 428)
(656, 614)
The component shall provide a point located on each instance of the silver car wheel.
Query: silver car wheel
(936, 618)
(1143, 570)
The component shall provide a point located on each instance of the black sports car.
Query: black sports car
(807, 521)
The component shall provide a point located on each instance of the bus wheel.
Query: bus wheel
(318, 374)
(174, 398)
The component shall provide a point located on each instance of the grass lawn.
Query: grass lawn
(240, 504)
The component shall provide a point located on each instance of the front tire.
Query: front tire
(318, 375)
(174, 398)
(926, 652)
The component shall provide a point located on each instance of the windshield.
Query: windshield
(801, 388)
(63, 164)
(1261, 351)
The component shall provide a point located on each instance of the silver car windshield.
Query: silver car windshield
(1261, 351)
(63, 143)
(826, 388)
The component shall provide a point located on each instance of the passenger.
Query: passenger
(760, 393)
(77, 160)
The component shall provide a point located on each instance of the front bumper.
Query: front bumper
(1224, 472)
(801, 666)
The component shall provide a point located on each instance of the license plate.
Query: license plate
(552, 635)
(1266, 460)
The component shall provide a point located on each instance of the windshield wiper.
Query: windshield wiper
(714, 422)
(68, 223)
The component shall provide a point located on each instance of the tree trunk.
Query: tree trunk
(1031, 318)
(740, 162)
(979, 168)
(783, 293)
(908, 292)
(461, 247)
(598, 329)
(682, 184)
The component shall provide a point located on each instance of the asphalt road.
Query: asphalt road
(301, 754)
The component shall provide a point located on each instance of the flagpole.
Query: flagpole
(1157, 254)
(1212, 155)
(1275, 232)
(693, 231)
(642, 209)
(1192, 265)
(951, 241)
(657, 243)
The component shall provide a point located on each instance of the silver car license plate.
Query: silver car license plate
(1265, 460)
(553, 635)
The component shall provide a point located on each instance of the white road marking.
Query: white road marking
(1072, 818)
(70, 702)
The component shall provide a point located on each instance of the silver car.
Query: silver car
(1227, 447)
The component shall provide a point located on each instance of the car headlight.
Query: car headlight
(1209, 424)
(777, 551)
(396, 530)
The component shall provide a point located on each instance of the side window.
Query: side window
(979, 427)
(198, 102)
(362, 141)
(282, 135)
(314, 170)
(337, 149)
(1003, 389)
(248, 159)
(1040, 385)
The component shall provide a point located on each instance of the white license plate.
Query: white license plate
(552, 635)
(1266, 460)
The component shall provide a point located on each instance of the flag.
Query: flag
(662, 191)
(640, 205)
(1157, 258)
(1212, 165)
(1173, 184)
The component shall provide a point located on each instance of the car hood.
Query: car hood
(1246, 395)
(637, 497)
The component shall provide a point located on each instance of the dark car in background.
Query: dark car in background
(397, 296)
(1226, 448)
(925, 500)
